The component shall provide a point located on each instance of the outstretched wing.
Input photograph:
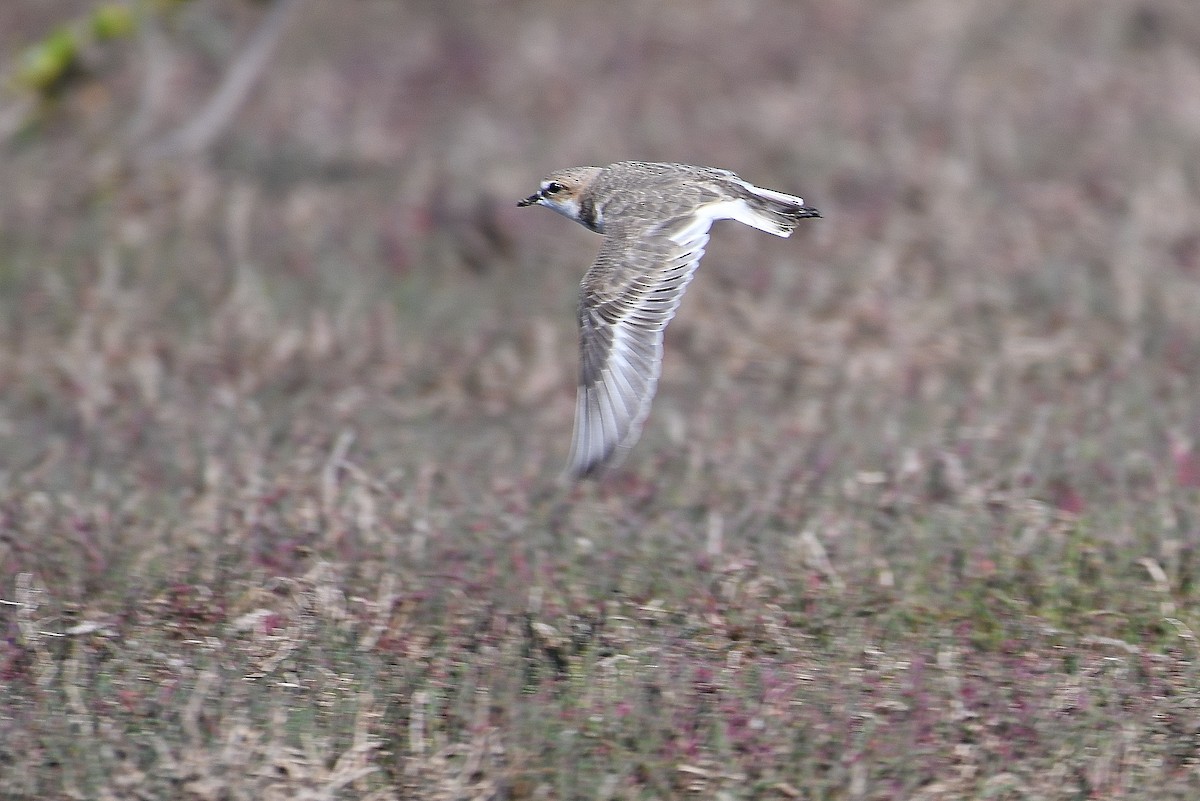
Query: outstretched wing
(627, 298)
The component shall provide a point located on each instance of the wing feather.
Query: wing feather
(627, 298)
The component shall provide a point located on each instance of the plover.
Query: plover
(655, 220)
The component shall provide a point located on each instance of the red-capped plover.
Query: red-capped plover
(655, 220)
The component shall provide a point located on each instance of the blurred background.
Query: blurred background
(1010, 198)
(267, 307)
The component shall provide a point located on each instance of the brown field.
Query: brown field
(916, 514)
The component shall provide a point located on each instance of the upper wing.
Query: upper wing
(627, 298)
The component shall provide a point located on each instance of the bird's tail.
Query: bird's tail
(774, 212)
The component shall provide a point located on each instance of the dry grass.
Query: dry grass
(915, 515)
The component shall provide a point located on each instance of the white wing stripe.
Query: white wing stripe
(610, 413)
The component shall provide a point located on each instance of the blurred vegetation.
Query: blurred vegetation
(287, 383)
(46, 65)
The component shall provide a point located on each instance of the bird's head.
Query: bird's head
(563, 191)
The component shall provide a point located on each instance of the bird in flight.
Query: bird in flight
(655, 220)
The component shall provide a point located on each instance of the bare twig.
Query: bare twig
(198, 133)
(155, 69)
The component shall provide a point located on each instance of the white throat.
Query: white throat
(573, 209)
(567, 207)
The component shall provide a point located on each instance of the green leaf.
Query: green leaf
(111, 21)
(44, 65)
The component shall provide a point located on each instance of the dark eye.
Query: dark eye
(554, 187)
